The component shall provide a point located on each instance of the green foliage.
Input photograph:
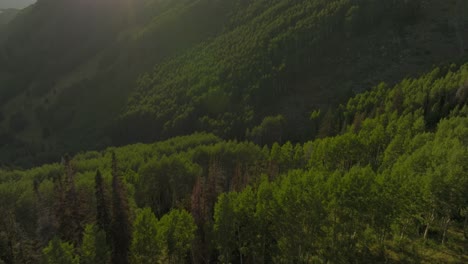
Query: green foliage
(94, 249)
(242, 62)
(58, 252)
(146, 247)
(165, 181)
(385, 180)
(388, 179)
(377, 182)
(225, 227)
(176, 230)
(269, 131)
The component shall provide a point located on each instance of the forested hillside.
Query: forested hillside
(386, 183)
(88, 74)
(241, 131)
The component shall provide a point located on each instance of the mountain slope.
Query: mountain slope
(391, 187)
(289, 58)
(17, 4)
(76, 96)
(219, 66)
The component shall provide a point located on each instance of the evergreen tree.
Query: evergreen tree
(120, 225)
(70, 215)
(102, 211)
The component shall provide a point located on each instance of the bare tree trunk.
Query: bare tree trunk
(446, 226)
(383, 236)
(403, 229)
(426, 231)
(428, 225)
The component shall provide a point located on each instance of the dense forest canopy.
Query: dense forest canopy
(391, 186)
(210, 131)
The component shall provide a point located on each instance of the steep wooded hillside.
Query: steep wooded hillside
(242, 131)
(88, 74)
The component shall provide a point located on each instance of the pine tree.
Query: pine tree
(102, 211)
(69, 212)
(120, 225)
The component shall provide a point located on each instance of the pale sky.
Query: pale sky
(15, 3)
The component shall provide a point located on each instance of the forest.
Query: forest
(390, 187)
(243, 131)
(118, 72)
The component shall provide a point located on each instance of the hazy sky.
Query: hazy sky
(15, 3)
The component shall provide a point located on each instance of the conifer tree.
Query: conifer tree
(120, 225)
(69, 212)
(102, 209)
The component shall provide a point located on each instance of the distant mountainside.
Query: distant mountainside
(17, 4)
(6, 15)
(88, 74)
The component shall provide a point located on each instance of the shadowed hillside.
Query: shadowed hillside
(116, 72)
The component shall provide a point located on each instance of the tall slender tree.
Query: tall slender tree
(70, 215)
(120, 225)
(103, 220)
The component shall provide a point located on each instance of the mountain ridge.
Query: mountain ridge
(15, 4)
